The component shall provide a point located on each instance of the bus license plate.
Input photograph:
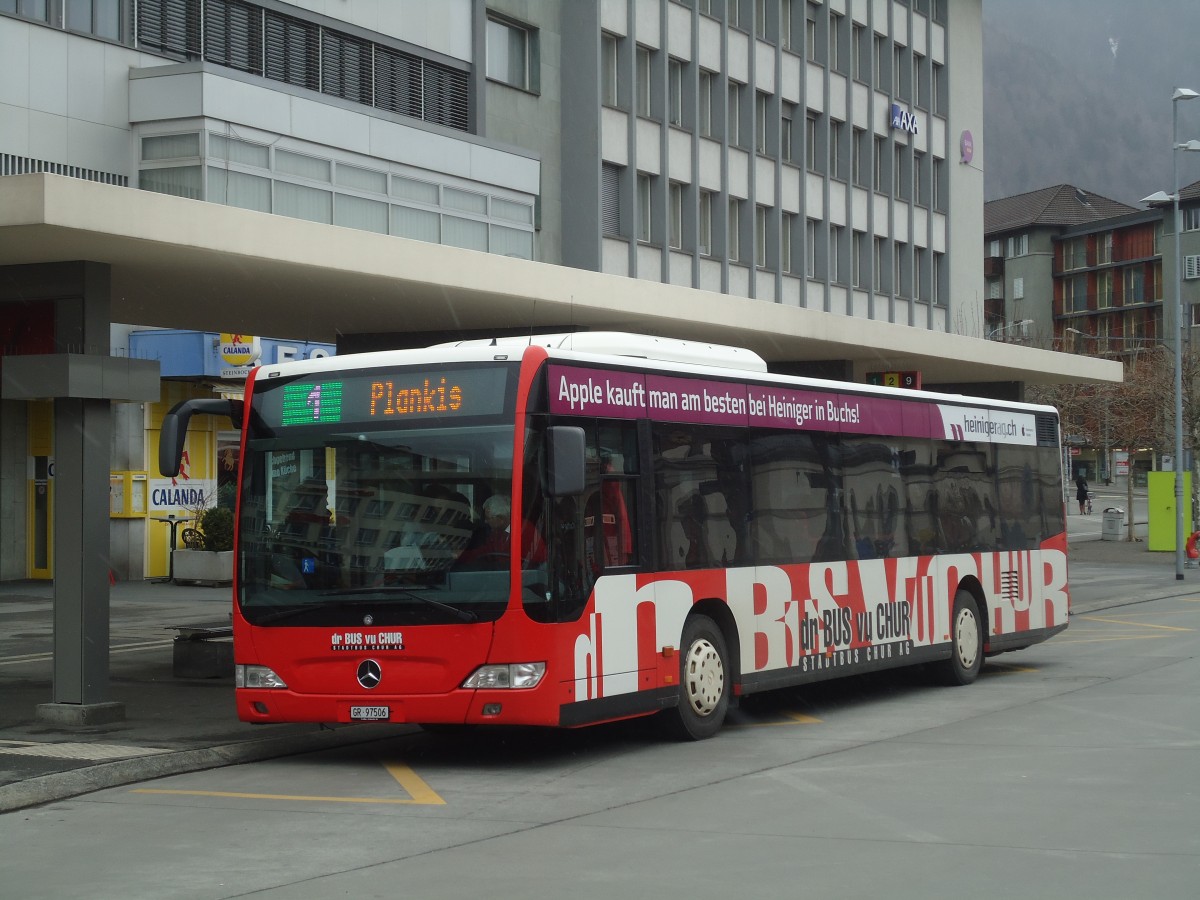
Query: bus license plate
(370, 713)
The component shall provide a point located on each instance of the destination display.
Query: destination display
(385, 396)
(633, 395)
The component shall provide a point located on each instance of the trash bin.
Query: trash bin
(1111, 522)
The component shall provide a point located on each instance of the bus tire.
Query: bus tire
(966, 642)
(705, 681)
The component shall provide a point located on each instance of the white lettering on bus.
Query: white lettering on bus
(855, 611)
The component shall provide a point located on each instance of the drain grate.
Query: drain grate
(88, 752)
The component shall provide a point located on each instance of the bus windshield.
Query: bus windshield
(337, 525)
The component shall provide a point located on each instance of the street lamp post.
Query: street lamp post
(1180, 94)
(994, 334)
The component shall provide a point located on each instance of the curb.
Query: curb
(64, 785)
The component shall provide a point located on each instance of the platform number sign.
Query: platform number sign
(910, 380)
(308, 404)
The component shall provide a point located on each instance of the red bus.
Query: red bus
(571, 529)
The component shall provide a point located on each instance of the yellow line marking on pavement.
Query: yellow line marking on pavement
(1006, 669)
(416, 787)
(1105, 640)
(420, 793)
(1132, 624)
(791, 717)
(48, 657)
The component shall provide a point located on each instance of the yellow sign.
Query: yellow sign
(240, 349)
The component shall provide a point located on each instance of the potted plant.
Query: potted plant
(214, 563)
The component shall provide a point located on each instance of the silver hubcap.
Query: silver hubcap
(966, 638)
(704, 677)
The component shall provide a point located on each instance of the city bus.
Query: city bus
(562, 530)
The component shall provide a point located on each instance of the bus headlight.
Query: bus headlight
(256, 677)
(513, 675)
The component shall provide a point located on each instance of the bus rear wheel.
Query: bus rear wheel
(966, 642)
(704, 681)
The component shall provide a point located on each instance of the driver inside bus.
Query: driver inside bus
(490, 546)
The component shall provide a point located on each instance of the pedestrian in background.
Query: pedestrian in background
(1081, 492)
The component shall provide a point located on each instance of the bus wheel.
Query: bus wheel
(966, 642)
(704, 681)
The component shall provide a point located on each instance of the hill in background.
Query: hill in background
(1079, 92)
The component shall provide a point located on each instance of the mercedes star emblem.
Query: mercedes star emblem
(368, 619)
(369, 673)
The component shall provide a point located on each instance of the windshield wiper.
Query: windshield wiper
(291, 611)
(463, 615)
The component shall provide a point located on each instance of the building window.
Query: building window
(860, 151)
(810, 31)
(29, 9)
(883, 63)
(608, 70)
(707, 98)
(835, 41)
(675, 91)
(859, 258)
(1104, 290)
(837, 163)
(786, 23)
(760, 236)
(610, 199)
(1191, 269)
(941, 287)
(1074, 254)
(900, 85)
(810, 141)
(704, 227)
(899, 170)
(995, 289)
(760, 19)
(918, 76)
(939, 187)
(835, 253)
(644, 68)
(733, 9)
(1075, 294)
(879, 257)
(509, 53)
(861, 49)
(645, 208)
(1104, 248)
(1018, 245)
(810, 248)
(675, 204)
(880, 169)
(919, 184)
(99, 17)
(1134, 287)
(761, 101)
(733, 129)
(900, 269)
(922, 292)
(733, 227)
(787, 235)
(1191, 219)
(938, 88)
(1019, 288)
(787, 121)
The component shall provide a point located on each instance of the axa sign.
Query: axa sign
(903, 120)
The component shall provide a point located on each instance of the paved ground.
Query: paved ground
(176, 725)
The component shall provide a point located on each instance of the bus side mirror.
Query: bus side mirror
(566, 444)
(175, 424)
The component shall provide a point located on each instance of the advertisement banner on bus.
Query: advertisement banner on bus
(634, 395)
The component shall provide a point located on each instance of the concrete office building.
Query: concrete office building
(804, 178)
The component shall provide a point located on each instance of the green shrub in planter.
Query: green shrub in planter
(216, 524)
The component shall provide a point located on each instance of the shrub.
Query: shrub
(216, 525)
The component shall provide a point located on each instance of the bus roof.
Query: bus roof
(639, 346)
(610, 348)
